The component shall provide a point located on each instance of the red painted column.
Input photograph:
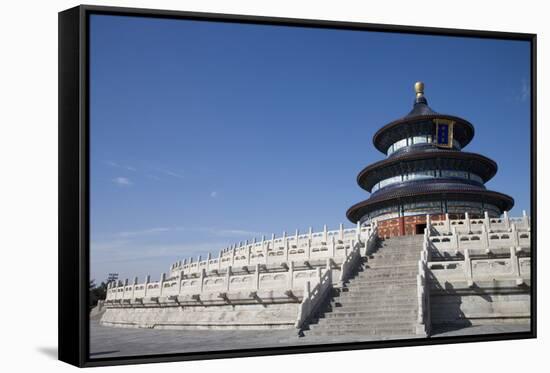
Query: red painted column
(402, 226)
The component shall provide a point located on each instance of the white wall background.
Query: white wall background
(28, 181)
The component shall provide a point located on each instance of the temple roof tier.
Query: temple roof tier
(420, 123)
(430, 191)
(431, 159)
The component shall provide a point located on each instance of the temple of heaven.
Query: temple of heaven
(425, 172)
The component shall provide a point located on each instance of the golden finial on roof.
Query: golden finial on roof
(419, 88)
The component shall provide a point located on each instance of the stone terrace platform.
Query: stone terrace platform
(117, 342)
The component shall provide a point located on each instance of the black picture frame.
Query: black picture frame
(74, 188)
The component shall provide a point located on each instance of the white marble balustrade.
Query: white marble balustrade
(199, 278)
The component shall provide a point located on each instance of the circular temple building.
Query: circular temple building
(425, 173)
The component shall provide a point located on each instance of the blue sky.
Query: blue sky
(205, 134)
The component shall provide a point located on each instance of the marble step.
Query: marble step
(378, 293)
(396, 256)
(373, 271)
(358, 333)
(367, 322)
(406, 249)
(375, 308)
(381, 283)
(359, 315)
(366, 288)
(363, 303)
(373, 263)
(345, 324)
(387, 276)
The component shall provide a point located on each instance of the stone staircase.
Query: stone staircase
(381, 300)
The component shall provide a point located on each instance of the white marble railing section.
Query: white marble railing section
(313, 245)
(484, 240)
(196, 286)
(423, 291)
(353, 258)
(472, 270)
(314, 298)
(491, 234)
(470, 225)
(257, 276)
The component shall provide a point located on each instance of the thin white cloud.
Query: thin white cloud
(144, 232)
(172, 173)
(122, 181)
(214, 194)
(118, 165)
(525, 90)
(129, 258)
(149, 172)
(237, 232)
(129, 255)
(209, 230)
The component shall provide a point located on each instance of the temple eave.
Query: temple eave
(382, 138)
(502, 201)
(482, 166)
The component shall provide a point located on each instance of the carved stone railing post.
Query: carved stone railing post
(307, 294)
(526, 221)
(506, 220)
(161, 283)
(287, 249)
(423, 288)
(468, 223)
(485, 238)
(514, 261)
(455, 239)
(348, 248)
(314, 298)
(290, 278)
(428, 223)
(515, 235)
(147, 281)
(420, 295)
(228, 278)
(487, 221)
(134, 287)
(202, 276)
(447, 224)
(124, 289)
(318, 274)
(257, 276)
(180, 280)
(264, 249)
(468, 268)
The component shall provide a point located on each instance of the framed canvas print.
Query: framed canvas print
(236, 186)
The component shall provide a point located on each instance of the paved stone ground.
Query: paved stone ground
(114, 342)
(481, 329)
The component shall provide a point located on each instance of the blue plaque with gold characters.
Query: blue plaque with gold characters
(444, 133)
